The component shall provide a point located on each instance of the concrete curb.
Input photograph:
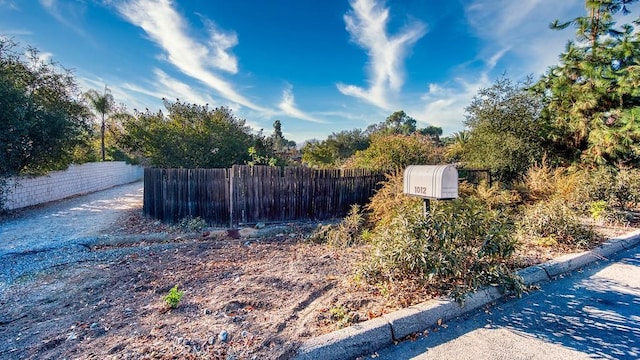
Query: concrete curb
(368, 336)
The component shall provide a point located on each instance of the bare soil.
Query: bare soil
(268, 290)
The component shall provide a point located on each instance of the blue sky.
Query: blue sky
(318, 66)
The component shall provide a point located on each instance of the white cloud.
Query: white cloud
(520, 29)
(444, 105)
(70, 14)
(288, 106)
(165, 26)
(173, 88)
(367, 24)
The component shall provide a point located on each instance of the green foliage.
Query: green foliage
(554, 219)
(341, 314)
(398, 123)
(348, 232)
(395, 152)
(335, 149)
(597, 209)
(506, 133)
(41, 119)
(189, 136)
(461, 246)
(626, 191)
(173, 298)
(192, 224)
(593, 94)
(257, 159)
(103, 104)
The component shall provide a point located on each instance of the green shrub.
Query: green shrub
(626, 192)
(341, 315)
(192, 224)
(597, 209)
(347, 233)
(554, 219)
(460, 246)
(173, 298)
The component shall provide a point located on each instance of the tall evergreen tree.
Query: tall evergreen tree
(593, 94)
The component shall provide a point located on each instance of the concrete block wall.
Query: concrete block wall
(77, 179)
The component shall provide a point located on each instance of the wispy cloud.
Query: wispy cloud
(70, 14)
(288, 106)
(166, 27)
(179, 90)
(366, 22)
(520, 30)
(9, 4)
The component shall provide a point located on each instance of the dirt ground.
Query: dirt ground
(247, 295)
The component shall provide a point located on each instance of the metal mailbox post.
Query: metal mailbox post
(431, 182)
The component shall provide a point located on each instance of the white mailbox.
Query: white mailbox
(431, 181)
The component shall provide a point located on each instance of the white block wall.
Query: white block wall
(77, 179)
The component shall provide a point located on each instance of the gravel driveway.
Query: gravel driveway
(62, 232)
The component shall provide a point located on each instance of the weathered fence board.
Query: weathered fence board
(251, 194)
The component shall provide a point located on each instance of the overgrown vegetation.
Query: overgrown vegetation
(42, 120)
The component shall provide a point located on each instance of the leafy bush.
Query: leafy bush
(495, 197)
(390, 201)
(344, 234)
(192, 224)
(461, 246)
(173, 298)
(389, 152)
(554, 220)
(597, 209)
(626, 191)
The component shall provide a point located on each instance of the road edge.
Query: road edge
(371, 335)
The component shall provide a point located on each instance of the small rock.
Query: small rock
(94, 326)
(207, 312)
(179, 340)
(293, 235)
(72, 336)
(247, 243)
(212, 340)
(223, 336)
(260, 225)
(244, 333)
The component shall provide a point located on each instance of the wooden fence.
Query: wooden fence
(252, 194)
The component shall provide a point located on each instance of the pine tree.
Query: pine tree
(593, 94)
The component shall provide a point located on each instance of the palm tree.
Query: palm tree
(103, 104)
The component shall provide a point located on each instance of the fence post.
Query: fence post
(231, 202)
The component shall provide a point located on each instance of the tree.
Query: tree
(189, 136)
(434, 131)
(591, 95)
(455, 145)
(103, 104)
(333, 151)
(506, 132)
(392, 152)
(42, 120)
(398, 123)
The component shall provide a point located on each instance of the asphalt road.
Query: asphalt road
(590, 314)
